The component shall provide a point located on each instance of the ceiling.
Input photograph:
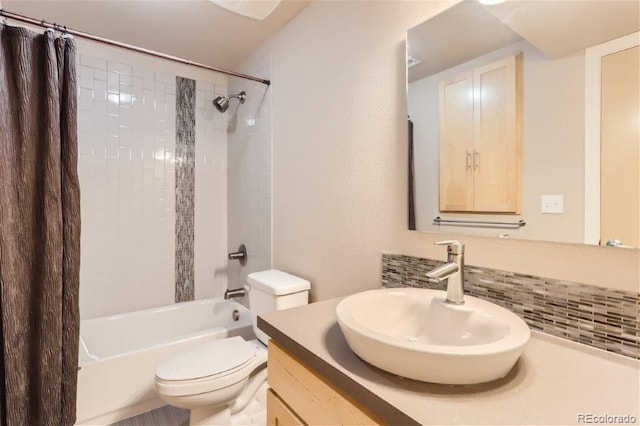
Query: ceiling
(197, 30)
(452, 37)
(560, 28)
(556, 28)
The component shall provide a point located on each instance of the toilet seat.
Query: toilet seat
(209, 367)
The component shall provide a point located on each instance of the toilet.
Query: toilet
(226, 380)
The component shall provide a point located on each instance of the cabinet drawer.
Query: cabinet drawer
(315, 401)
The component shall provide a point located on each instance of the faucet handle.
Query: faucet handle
(453, 246)
(446, 243)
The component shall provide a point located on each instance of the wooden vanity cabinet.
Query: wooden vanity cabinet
(298, 395)
(480, 139)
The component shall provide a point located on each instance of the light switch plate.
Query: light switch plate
(553, 204)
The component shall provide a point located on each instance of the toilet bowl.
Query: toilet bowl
(209, 378)
(224, 382)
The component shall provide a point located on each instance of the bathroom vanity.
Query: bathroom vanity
(316, 379)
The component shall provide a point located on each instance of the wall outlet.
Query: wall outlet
(553, 204)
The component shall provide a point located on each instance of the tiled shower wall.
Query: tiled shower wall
(249, 180)
(127, 170)
(210, 245)
(604, 318)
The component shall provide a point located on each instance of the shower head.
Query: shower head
(222, 102)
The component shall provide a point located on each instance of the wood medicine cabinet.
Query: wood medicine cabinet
(480, 144)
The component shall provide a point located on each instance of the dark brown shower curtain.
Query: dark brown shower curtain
(39, 229)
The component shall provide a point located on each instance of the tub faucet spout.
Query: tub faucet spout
(236, 292)
(452, 272)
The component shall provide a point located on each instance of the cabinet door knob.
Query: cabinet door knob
(468, 159)
(476, 160)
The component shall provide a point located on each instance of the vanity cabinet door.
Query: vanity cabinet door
(278, 414)
(479, 133)
(314, 400)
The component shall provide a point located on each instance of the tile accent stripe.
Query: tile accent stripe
(185, 186)
(604, 318)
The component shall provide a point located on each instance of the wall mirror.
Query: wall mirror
(524, 121)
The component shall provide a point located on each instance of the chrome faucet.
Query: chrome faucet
(452, 271)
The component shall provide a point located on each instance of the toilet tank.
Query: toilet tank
(274, 290)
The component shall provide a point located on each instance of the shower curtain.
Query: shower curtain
(39, 229)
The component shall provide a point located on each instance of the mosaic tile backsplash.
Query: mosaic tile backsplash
(604, 318)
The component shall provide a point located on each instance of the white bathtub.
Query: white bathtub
(119, 353)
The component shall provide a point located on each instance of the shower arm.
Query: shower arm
(242, 96)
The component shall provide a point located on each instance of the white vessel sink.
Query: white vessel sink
(414, 333)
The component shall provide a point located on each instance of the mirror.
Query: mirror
(524, 121)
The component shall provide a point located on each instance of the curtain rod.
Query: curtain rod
(64, 29)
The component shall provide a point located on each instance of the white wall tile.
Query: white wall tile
(249, 174)
(99, 91)
(113, 82)
(85, 99)
(143, 73)
(210, 203)
(127, 177)
(165, 78)
(93, 62)
(125, 80)
(100, 74)
(113, 124)
(119, 68)
(85, 122)
(137, 87)
(85, 148)
(86, 77)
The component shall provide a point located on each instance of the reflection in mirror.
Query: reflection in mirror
(527, 112)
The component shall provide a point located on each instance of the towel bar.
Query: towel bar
(465, 222)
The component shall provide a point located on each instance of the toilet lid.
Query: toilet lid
(216, 358)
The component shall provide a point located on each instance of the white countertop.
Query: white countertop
(553, 382)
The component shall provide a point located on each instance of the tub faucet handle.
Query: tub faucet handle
(240, 255)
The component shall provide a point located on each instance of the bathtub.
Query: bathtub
(119, 353)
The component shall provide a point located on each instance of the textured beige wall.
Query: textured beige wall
(339, 158)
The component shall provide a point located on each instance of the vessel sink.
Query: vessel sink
(414, 333)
